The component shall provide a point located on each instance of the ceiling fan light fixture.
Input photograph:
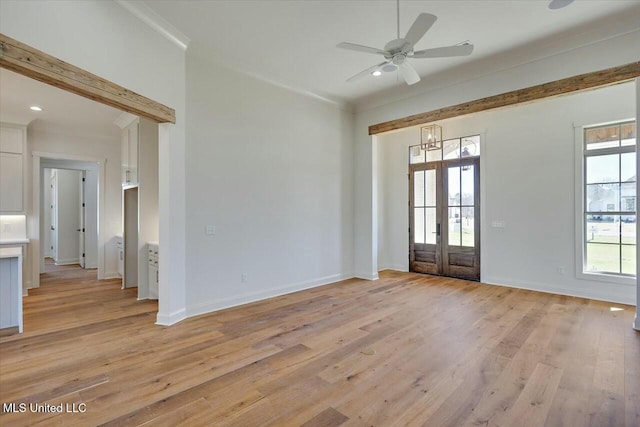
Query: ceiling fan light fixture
(376, 73)
(388, 68)
(35, 108)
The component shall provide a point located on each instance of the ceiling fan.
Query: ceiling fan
(397, 51)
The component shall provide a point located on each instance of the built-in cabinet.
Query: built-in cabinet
(130, 148)
(13, 159)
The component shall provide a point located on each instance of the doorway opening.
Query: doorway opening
(444, 209)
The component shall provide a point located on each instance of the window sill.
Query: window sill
(610, 278)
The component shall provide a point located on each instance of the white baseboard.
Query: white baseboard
(111, 275)
(559, 290)
(367, 275)
(208, 307)
(636, 323)
(68, 261)
(171, 319)
(394, 267)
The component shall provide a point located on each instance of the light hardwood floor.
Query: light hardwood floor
(406, 350)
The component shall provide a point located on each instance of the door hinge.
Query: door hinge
(83, 205)
(51, 247)
(83, 179)
(83, 230)
(83, 255)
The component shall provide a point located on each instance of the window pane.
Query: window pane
(628, 167)
(431, 226)
(602, 137)
(451, 149)
(430, 182)
(603, 168)
(467, 187)
(454, 227)
(467, 225)
(470, 146)
(628, 134)
(603, 258)
(434, 155)
(602, 197)
(454, 186)
(418, 225)
(603, 229)
(628, 196)
(416, 155)
(418, 188)
(629, 259)
(628, 227)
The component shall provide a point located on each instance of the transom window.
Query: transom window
(609, 209)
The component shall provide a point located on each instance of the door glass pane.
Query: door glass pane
(602, 197)
(451, 149)
(454, 227)
(467, 226)
(430, 182)
(418, 225)
(416, 155)
(454, 186)
(430, 226)
(603, 258)
(628, 167)
(629, 259)
(603, 168)
(628, 229)
(418, 188)
(467, 185)
(603, 229)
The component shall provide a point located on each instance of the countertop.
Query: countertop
(11, 252)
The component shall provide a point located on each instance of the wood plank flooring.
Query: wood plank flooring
(406, 350)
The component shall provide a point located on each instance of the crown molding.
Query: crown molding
(154, 20)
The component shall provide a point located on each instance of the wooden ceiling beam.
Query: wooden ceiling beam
(578, 83)
(33, 63)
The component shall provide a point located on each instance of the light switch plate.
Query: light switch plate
(210, 230)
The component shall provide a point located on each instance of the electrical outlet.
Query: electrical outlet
(210, 230)
(243, 277)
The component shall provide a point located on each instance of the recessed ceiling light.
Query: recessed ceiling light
(559, 4)
(376, 73)
(35, 108)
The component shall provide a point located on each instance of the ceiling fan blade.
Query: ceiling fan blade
(360, 48)
(420, 26)
(559, 4)
(409, 74)
(367, 71)
(443, 52)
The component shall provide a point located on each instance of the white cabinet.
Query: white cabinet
(153, 270)
(130, 143)
(12, 168)
(11, 288)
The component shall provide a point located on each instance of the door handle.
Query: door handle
(52, 228)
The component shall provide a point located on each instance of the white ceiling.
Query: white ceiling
(60, 108)
(292, 43)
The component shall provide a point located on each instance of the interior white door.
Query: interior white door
(81, 216)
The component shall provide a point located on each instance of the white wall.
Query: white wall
(528, 181)
(272, 171)
(68, 219)
(42, 137)
(147, 200)
(608, 53)
(135, 56)
(46, 213)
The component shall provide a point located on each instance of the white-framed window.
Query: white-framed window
(607, 203)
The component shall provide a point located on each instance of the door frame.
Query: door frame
(37, 264)
(442, 237)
